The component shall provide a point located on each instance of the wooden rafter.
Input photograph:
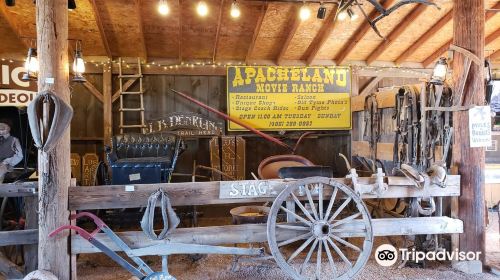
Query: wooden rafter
(322, 36)
(217, 33)
(495, 55)
(435, 55)
(492, 37)
(180, 32)
(12, 23)
(295, 22)
(359, 34)
(95, 92)
(142, 40)
(425, 37)
(256, 31)
(396, 32)
(100, 26)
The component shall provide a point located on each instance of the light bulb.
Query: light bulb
(202, 8)
(342, 15)
(79, 65)
(304, 13)
(163, 8)
(235, 10)
(31, 64)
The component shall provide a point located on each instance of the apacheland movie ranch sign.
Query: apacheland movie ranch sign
(14, 91)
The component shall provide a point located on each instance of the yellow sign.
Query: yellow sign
(289, 98)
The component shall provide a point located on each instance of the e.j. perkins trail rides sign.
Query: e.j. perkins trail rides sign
(289, 98)
(14, 91)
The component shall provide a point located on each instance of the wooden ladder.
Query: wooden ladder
(123, 79)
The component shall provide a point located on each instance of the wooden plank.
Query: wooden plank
(396, 32)
(393, 73)
(295, 22)
(385, 99)
(100, 26)
(215, 157)
(126, 86)
(322, 36)
(30, 251)
(9, 269)
(19, 189)
(492, 37)
(370, 86)
(240, 158)
(256, 31)
(107, 105)
(93, 90)
(142, 41)
(425, 37)
(18, 237)
(359, 34)
(384, 150)
(254, 233)
(205, 193)
(217, 32)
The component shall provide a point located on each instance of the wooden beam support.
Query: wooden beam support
(468, 33)
(396, 32)
(217, 33)
(256, 31)
(107, 104)
(18, 237)
(142, 39)
(19, 189)
(492, 37)
(322, 36)
(439, 52)
(359, 34)
(180, 31)
(55, 172)
(100, 26)
(95, 92)
(126, 86)
(425, 37)
(31, 217)
(295, 22)
(255, 233)
(5, 13)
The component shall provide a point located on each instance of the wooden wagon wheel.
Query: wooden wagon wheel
(320, 226)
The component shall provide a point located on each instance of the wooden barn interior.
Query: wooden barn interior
(134, 56)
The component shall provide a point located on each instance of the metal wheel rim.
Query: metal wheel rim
(363, 256)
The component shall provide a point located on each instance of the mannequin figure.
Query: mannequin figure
(10, 151)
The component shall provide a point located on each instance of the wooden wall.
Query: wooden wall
(87, 130)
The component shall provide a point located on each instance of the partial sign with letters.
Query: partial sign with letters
(480, 126)
(186, 124)
(250, 189)
(289, 98)
(14, 91)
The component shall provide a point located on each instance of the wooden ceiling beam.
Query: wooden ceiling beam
(256, 31)
(322, 36)
(217, 33)
(359, 34)
(295, 22)
(180, 31)
(400, 28)
(492, 37)
(142, 40)
(425, 37)
(100, 26)
(5, 13)
(435, 55)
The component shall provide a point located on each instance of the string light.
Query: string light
(163, 8)
(235, 10)
(202, 9)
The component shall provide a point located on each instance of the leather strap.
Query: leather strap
(170, 219)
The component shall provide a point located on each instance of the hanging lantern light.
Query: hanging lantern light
(163, 8)
(78, 65)
(352, 15)
(304, 12)
(31, 66)
(342, 15)
(202, 9)
(235, 10)
(439, 73)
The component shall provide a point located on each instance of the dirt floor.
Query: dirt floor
(99, 267)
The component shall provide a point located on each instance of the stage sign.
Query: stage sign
(14, 91)
(289, 98)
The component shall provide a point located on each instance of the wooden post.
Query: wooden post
(468, 18)
(107, 103)
(52, 43)
(31, 250)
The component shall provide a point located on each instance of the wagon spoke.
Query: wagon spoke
(340, 209)
(294, 239)
(296, 216)
(345, 220)
(308, 256)
(330, 205)
(339, 252)
(346, 243)
(311, 202)
(320, 201)
(293, 227)
(318, 261)
(330, 259)
(304, 210)
(301, 248)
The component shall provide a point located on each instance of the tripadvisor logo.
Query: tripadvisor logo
(387, 255)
